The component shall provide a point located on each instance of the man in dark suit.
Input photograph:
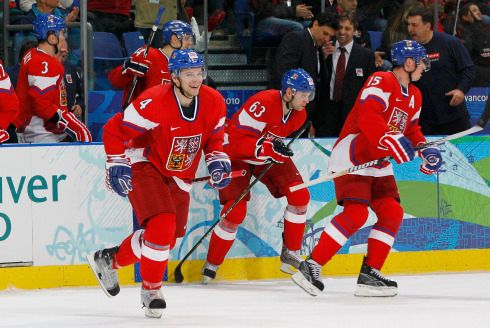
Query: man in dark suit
(348, 68)
(302, 49)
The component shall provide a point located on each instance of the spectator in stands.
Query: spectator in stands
(396, 30)
(216, 19)
(476, 38)
(450, 76)
(275, 18)
(73, 82)
(373, 14)
(49, 7)
(316, 5)
(347, 70)
(350, 6)
(110, 16)
(306, 49)
(145, 14)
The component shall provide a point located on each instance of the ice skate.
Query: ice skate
(153, 302)
(289, 260)
(371, 283)
(308, 277)
(101, 264)
(209, 273)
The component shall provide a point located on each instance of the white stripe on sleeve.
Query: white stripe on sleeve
(132, 116)
(42, 82)
(246, 120)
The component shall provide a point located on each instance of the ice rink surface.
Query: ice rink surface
(449, 300)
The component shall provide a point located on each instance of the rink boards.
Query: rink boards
(55, 209)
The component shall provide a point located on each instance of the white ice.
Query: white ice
(442, 300)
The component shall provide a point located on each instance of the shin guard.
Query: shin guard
(383, 233)
(339, 230)
(129, 251)
(224, 233)
(295, 218)
(155, 248)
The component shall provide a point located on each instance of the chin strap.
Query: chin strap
(288, 103)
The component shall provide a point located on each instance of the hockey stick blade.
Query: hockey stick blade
(178, 275)
(474, 129)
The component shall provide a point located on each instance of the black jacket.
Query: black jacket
(359, 67)
(297, 49)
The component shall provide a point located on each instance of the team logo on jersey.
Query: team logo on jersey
(184, 150)
(398, 120)
(271, 136)
(63, 95)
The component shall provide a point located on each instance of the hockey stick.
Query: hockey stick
(233, 174)
(179, 277)
(154, 28)
(476, 128)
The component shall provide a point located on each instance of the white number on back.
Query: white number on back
(256, 109)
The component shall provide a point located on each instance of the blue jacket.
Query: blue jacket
(451, 68)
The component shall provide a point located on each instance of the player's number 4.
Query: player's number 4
(145, 103)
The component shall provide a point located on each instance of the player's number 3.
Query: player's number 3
(45, 70)
(256, 109)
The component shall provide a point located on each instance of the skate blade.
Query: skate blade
(93, 267)
(371, 291)
(286, 268)
(307, 286)
(206, 280)
(153, 313)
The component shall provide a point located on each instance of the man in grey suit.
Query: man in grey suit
(348, 68)
(302, 49)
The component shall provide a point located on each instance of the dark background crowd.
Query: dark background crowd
(339, 46)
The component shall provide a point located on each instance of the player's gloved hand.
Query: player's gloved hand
(399, 147)
(118, 174)
(431, 160)
(69, 123)
(273, 151)
(136, 65)
(4, 135)
(219, 167)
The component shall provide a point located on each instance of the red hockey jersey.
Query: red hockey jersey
(9, 103)
(157, 73)
(176, 141)
(262, 116)
(41, 93)
(382, 105)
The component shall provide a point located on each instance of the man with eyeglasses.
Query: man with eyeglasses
(183, 119)
(255, 139)
(152, 70)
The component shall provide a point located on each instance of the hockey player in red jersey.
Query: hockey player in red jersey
(183, 119)
(383, 122)
(152, 70)
(44, 116)
(255, 135)
(9, 108)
